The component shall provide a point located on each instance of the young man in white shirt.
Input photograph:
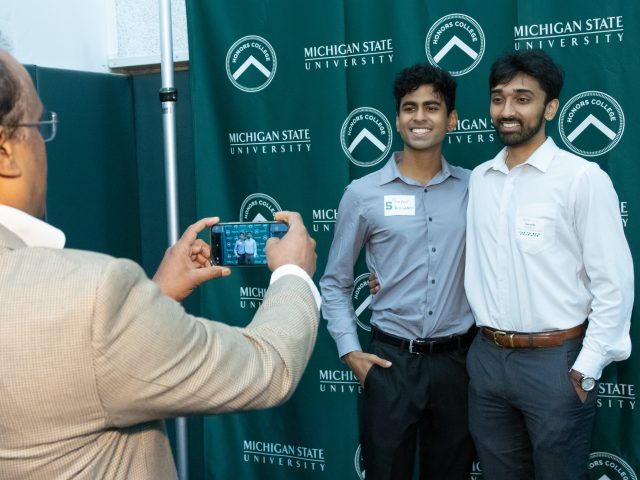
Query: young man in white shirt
(250, 249)
(545, 252)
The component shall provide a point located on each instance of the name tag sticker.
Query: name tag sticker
(530, 229)
(399, 205)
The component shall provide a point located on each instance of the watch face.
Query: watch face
(588, 383)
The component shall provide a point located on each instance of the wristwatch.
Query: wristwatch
(586, 383)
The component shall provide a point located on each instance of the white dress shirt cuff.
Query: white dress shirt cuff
(590, 363)
(291, 269)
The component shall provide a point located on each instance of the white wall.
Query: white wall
(90, 35)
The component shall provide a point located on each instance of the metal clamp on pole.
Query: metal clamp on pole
(168, 94)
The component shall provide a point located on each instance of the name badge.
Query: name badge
(399, 205)
(530, 229)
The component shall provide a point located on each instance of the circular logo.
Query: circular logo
(258, 207)
(251, 63)
(366, 136)
(606, 466)
(358, 463)
(591, 123)
(455, 43)
(361, 298)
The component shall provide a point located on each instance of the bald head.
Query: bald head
(23, 159)
(17, 92)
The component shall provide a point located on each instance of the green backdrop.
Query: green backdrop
(292, 100)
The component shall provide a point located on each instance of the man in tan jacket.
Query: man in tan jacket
(93, 354)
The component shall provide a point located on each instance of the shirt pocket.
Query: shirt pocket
(535, 227)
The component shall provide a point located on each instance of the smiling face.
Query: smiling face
(422, 120)
(519, 111)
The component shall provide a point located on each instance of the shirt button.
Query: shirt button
(430, 219)
(433, 281)
(433, 249)
(430, 312)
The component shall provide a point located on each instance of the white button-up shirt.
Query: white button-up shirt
(33, 232)
(546, 250)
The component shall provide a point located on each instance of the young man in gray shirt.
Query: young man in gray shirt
(410, 216)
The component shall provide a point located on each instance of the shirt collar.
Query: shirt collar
(33, 232)
(390, 171)
(540, 158)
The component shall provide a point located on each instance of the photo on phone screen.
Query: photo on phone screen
(242, 244)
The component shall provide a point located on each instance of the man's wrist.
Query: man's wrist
(346, 355)
(584, 382)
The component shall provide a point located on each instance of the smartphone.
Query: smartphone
(242, 244)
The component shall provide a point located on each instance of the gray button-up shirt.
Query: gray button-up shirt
(414, 236)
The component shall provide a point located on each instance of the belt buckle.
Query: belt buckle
(417, 342)
(498, 333)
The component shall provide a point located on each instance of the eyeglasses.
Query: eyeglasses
(48, 126)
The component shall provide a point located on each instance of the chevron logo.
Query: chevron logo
(366, 137)
(591, 109)
(591, 120)
(369, 136)
(451, 34)
(455, 42)
(251, 63)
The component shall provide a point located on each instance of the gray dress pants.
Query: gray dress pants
(525, 416)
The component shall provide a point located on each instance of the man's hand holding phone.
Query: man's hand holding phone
(296, 247)
(186, 264)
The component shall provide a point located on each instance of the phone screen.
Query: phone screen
(242, 244)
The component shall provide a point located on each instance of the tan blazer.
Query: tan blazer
(93, 356)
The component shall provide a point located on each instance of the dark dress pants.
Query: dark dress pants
(525, 416)
(420, 399)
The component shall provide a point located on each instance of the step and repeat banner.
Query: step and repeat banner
(292, 101)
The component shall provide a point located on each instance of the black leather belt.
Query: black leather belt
(427, 346)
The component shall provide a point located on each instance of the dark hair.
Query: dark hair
(10, 114)
(536, 64)
(412, 78)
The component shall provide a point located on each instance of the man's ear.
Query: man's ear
(9, 168)
(452, 121)
(551, 109)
